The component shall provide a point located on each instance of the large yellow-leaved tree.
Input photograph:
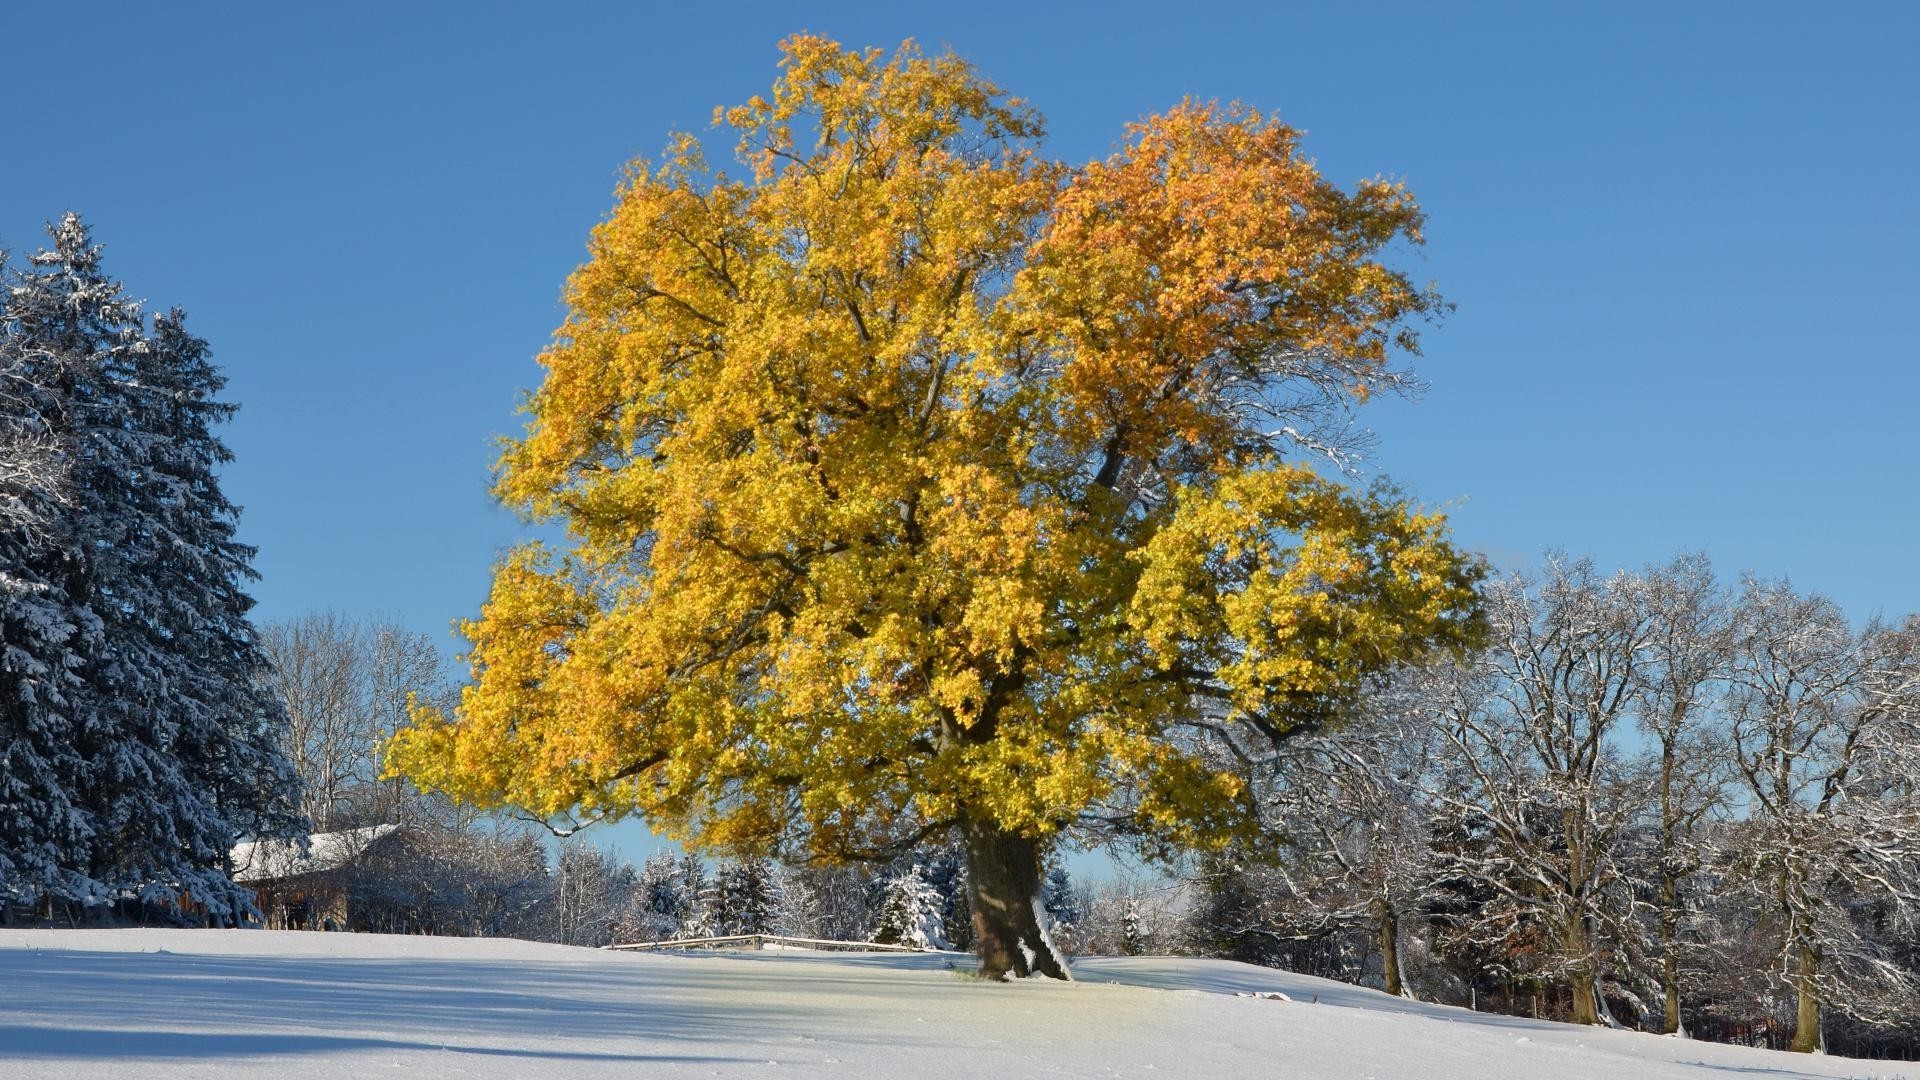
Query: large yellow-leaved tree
(918, 485)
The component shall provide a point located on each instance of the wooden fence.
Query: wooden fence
(761, 941)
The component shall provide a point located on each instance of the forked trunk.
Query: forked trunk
(1003, 882)
(1806, 1031)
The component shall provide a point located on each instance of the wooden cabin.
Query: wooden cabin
(307, 890)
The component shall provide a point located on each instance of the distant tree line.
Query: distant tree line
(1653, 799)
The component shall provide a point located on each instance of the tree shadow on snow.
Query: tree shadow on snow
(291, 1004)
(45, 1043)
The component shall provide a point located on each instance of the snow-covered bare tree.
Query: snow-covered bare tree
(1355, 813)
(345, 682)
(1536, 761)
(1826, 740)
(478, 879)
(403, 667)
(1132, 916)
(830, 901)
(316, 665)
(589, 893)
(1680, 680)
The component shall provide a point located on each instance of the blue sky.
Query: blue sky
(1680, 239)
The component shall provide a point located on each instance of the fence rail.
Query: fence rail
(761, 941)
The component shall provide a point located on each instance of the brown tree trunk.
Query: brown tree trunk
(1579, 945)
(1806, 1031)
(1388, 925)
(1003, 883)
(1670, 956)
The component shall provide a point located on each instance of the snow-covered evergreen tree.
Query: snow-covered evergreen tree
(45, 829)
(910, 912)
(1066, 908)
(172, 724)
(33, 467)
(661, 906)
(697, 889)
(946, 871)
(746, 898)
(1133, 937)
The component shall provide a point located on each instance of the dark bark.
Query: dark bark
(1003, 872)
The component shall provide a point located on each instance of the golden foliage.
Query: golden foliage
(915, 477)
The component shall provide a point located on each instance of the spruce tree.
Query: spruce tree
(45, 830)
(170, 718)
(697, 890)
(910, 912)
(1133, 939)
(746, 898)
(662, 904)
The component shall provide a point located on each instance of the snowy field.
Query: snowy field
(265, 1004)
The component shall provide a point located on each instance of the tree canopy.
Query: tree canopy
(915, 482)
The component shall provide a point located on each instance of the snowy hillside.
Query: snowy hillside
(264, 1004)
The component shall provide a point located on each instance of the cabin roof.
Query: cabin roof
(273, 860)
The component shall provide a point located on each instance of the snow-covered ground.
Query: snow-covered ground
(265, 1004)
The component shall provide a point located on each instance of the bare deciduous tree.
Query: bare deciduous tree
(1825, 742)
(346, 683)
(1356, 813)
(1679, 678)
(1534, 728)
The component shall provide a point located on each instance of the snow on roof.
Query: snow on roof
(271, 860)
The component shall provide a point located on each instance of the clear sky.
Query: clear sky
(1681, 239)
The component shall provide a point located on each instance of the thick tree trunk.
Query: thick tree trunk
(1003, 884)
(1585, 1010)
(1806, 1032)
(1388, 926)
(1585, 1006)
